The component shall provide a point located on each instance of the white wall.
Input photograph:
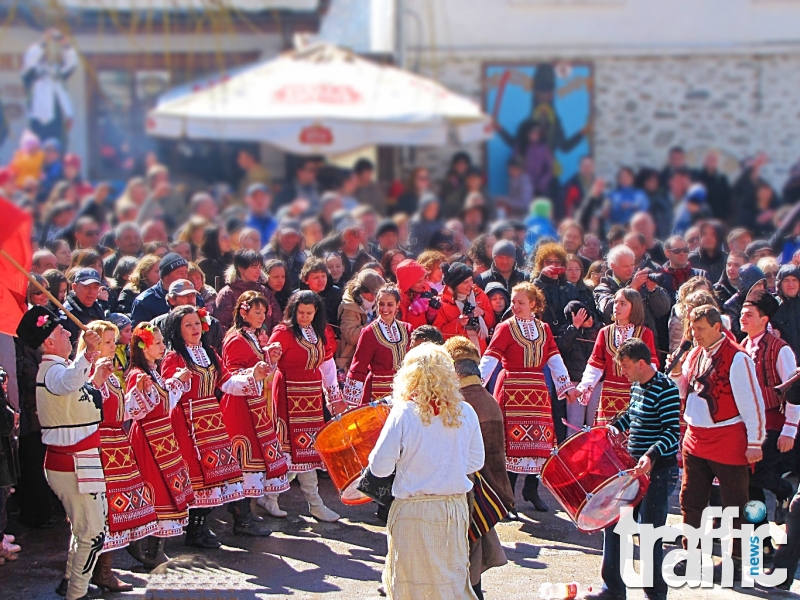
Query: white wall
(589, 27)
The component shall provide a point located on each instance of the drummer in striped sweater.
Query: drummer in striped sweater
(652, 423)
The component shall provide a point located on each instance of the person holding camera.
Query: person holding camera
(419, 304)
(622, 273)
(466, 309)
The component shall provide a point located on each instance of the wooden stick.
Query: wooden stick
(43, 289)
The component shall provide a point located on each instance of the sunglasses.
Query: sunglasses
(552, 262)
(38, 293)
(93, 233)
(678, 250)
(694, 240)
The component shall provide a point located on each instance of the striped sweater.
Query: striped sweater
(652, 420)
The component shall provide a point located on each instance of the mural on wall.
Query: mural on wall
(543, 115)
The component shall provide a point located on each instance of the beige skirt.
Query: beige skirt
(428, 557)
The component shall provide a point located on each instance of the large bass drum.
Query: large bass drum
(344, 445)
(590, 475)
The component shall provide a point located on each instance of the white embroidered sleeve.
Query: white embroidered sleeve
(176, 388)
(242, 383)
(353, 391)
(560, 375)
(330, 381)
(747, 395)
(487, 366)
(591, 377)
(138, 404)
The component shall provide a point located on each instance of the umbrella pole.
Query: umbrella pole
(43, 289)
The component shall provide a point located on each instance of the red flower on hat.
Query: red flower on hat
(205, 320)
(42, 320)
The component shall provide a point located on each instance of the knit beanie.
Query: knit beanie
(542, 207)
(455, 274)
(170, 263)
(408, 273)
(504, 248)
(370, 280)
(386, 226)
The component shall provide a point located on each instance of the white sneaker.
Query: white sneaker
(322, 513)
(271, 506)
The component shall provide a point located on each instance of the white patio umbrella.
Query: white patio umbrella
(320, 100)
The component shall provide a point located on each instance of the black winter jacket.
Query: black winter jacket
(557, 293)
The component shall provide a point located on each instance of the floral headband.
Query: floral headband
(146, 336)
(205, 319)
(245, 306)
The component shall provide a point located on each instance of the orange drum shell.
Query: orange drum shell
(585, 464)
(344, 445)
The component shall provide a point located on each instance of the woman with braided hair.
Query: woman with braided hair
(201, 432)
(247, 407)
(149, 400)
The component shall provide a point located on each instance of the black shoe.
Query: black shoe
(680, 568)
(530, 492)
(604, 595)
(512, 515)
(781, 510)
(197, 536)
(382, 513)
(381, 591)
(250, 527)
(61, 590)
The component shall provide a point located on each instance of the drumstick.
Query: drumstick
(570, 425)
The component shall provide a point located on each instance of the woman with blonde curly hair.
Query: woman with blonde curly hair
(549, 275)
(432, 440)
(525, 346)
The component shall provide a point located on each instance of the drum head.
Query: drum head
(602, 509)
(352, 497)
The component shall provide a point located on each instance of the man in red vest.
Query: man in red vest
(725, 419)
(775, 363)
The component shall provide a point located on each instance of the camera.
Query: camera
(473, 324)
(433, 299)
(655, 277)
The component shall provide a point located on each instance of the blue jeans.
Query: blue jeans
(653, 510)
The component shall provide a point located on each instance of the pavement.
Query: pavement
(305, 560)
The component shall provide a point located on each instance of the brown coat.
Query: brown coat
(492, 429)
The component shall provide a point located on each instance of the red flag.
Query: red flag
(15, 238)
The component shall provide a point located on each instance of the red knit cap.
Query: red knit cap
(409, 272)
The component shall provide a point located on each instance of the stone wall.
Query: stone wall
(737, 104)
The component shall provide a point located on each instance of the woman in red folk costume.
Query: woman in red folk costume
(131, 516)
(200, 430)
(148, 401)
(381, 348)
(616, 391)
(305, 377)
(525, 345)
(247, 403)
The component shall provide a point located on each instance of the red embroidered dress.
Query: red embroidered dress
(379, 354)
(200, 430)
(131, 515)
(306, 374)
(615, 394)
(247, 410)
(524, 347)
(156, 450)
